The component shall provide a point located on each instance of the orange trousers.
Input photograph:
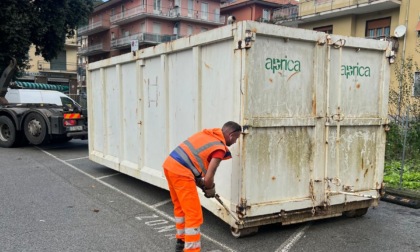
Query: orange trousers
(187, 210)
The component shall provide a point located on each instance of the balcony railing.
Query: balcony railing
(142, 38)
(93, 49)
(92, 28)
(71, 41)
(336, 7)
(56, 66)
(166, 13)
(128, 14)
(126, 41)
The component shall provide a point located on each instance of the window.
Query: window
(217, 15)
(190, 8)
(189, 30)
(112, 11)
(156, 28)
(416, 88)
(378, 28)
(203, 29)
(204, 11)
(143, 27)
(125, 33)
(327, 29)
(68, 102)
(59, 63)
(266, 15)
(156, 5)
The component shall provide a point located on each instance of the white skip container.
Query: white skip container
(313, 107)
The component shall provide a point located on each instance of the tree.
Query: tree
(401, 96)
(43, 23)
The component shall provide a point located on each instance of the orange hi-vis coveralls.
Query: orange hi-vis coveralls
(185, 164)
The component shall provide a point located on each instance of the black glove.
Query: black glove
(210, 192)
(199, 181)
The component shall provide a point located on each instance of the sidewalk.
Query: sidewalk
(402, 197)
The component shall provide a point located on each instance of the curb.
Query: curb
(401, 198)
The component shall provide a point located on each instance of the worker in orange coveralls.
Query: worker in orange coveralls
(194, 163)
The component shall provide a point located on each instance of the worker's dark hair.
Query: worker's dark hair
(231, 127)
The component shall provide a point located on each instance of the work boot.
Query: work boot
(179, 245)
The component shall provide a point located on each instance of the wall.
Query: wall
(342, 26)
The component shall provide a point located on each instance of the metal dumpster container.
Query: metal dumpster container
(313, 107)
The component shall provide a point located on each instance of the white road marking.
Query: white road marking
(151, 207)
(162, 203)
(288, 244)
(73, 159)
(107, 176)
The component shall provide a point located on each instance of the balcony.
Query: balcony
(93, 49)
(71, 41)
(173, 14)
(316, 10)
(56, 65)
(125, 41)
(142, 38)
(93, 28)
(129, 15)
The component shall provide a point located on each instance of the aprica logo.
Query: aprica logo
(348, 70)
(282, 64)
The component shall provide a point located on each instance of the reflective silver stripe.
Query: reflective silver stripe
(186, 159)
(192, 231)
(196, 152)
(192, 245)
(180, 231)
(179, 219)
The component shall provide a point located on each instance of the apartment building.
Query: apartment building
(256, 10)
(113, 25)
(60, 73)
(394, 20)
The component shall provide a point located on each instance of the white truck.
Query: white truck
(37, 116)
(313, 107)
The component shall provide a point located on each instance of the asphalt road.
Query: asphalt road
(53, 198)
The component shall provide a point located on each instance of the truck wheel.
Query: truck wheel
(35, 129)
(355, 213)
(239, 233)
(7, 132)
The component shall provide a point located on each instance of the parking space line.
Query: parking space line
(162, 203)
(73, 159)
(151, 207)
(288, 244)
(107, 176)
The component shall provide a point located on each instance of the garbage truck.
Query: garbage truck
(37, 116)
(313, 107)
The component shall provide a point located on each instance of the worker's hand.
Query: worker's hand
(210, 192)
(200, 182)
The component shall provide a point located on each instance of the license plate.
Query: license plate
(75, 128)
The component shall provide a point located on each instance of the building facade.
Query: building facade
(256, 10)
(113, 25)
(61, 71)
(395, 20)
